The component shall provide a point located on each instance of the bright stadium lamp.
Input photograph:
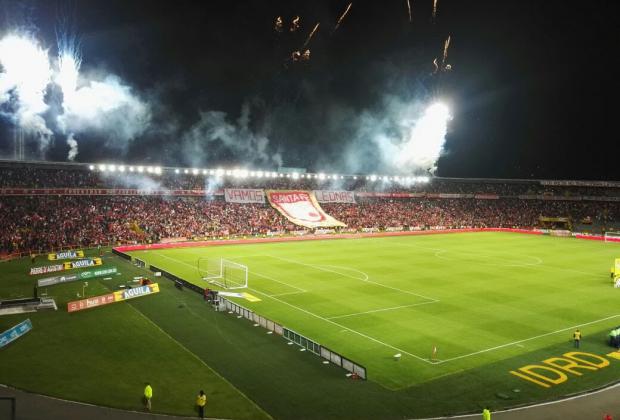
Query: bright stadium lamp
(102, 167)
(219, 172)
(158, 170)
(131, 169)
(373, 177)
(140, 169)
(121, 168)
(112, 168)
(229, 172)
(259, 174)
(204, 171)
(91, 167)
(176, 171)
(321, 176)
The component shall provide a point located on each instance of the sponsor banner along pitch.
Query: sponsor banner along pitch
(118, 296)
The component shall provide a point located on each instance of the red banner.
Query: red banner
(242, 195)
(334, 196)
(105, 191)
(301, 208)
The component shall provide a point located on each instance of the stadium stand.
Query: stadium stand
(37, 223)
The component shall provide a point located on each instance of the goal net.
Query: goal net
(223, 273)
(612, 236)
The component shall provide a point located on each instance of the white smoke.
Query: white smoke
(132, 180)
(107, 107)
(405, 137)
(24, 78)
(73, 147)
(99, 104)
(213, 130)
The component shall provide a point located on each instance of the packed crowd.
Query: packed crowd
(50, 222)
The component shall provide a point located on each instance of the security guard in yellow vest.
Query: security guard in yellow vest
(201, 401)
(576, 338)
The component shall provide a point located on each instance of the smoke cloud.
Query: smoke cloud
(213, 133)
(402, 137)
(73, 147)
(24, 78)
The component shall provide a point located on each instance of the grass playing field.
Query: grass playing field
(478, 298)
(490, 302)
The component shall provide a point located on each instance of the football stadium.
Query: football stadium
(163, 256)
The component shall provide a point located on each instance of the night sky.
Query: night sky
(532, 87)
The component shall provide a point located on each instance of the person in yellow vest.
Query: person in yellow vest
(148, 395)
(201, 401)
(576, 338)
(486, 414)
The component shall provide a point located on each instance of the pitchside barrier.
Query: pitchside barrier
(296, 338)
(292, 336)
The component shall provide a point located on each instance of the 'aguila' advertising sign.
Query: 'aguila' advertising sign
(69, 265)
(118, 296)
(301, 208)
(66, 255)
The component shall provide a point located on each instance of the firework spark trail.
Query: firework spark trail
(446, 45)
(294, 24)
(279, 24)
(436, 66)
(409, 9)
(342, 17)
(311, 35)
(434, 9)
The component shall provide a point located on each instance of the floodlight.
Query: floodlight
(140, 169)
(91, 167)
(176, 171)
(131, 169)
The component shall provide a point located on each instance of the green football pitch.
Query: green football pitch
(477, 298)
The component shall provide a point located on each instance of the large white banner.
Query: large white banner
(239, 195)
(323, 196)
(301, 208)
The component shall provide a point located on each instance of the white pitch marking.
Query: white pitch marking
(529, 339)
(318, 267)
(382, 310)
(411, 354)
(342, 326)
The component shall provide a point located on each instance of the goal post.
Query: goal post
(612, 236)
(223, 273)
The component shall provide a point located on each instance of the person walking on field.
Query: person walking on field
(576, 338)
(148, 394)
(201, 401)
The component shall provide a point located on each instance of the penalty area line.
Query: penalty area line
(322, 268)
(526, 339)
(344, 327)
(382, 310)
